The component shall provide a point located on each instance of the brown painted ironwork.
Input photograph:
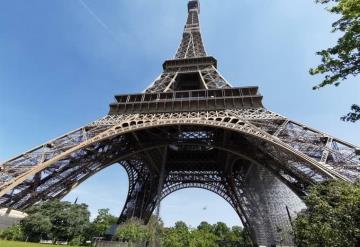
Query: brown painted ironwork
(217, 138)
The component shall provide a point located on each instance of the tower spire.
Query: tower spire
(191, 68)
(191, 44)
(194, 5)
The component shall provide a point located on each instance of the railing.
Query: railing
(192, 100)
(102, 243)
(185, 95)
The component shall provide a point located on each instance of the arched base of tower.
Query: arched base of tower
(221, 161)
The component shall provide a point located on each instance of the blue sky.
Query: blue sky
(60, 67)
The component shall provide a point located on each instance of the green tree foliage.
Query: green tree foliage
(70, 222)
(354, 115)
(156, 229)
(36, 226)
(205, 235)
(343, 59)
(12, 233)
(179, 235)
(203, 238)
(181, 226)
(332, 217)
(221, 230)
(103, 221)
(57, 220)
(176, 237)
(134, 231)
(205, 226)
(240, 235)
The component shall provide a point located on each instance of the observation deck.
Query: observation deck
(190, 100)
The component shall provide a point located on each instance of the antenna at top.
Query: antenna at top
(194, 5)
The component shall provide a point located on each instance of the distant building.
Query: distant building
(9, 217)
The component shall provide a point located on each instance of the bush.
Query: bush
(134, 231)
(12, 233)
(77, 241)
(332, 217)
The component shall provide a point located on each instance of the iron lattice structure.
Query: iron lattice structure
(196, 131)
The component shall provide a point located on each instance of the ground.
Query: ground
(4, 243)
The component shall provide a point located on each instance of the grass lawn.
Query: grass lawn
(4, 243)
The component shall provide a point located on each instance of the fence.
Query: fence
(102, 243)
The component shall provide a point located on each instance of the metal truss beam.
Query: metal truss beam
(216, 138)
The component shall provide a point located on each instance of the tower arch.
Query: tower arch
(214, 133)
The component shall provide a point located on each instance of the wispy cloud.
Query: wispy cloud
(97, 19)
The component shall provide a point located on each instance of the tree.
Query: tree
(221, 230)
(205, 235)
(332, 217)
(240, 235)
(67, 220)
(181, 226)
(354, 115)
(103, 221)
(36, 226)
(205, 226)
(12, 233)
(134, 231)
(177, 236)
(203, 238)
(342, 60)
(156, 229)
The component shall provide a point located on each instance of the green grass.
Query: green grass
(4, 243)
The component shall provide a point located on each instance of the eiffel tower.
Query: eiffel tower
(189, 129)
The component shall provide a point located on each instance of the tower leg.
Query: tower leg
(269, 198)
(141, 199)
